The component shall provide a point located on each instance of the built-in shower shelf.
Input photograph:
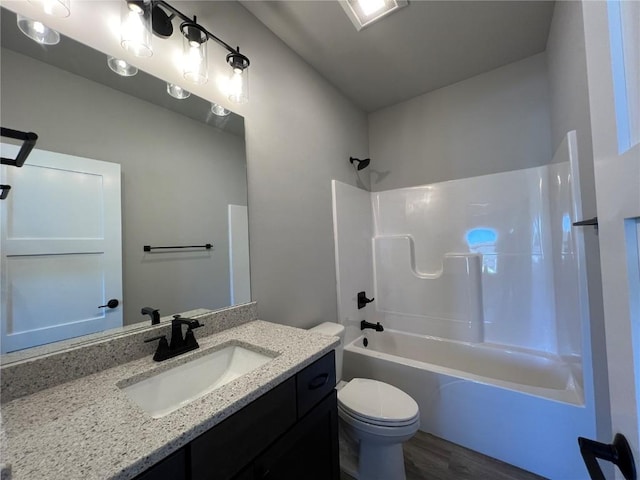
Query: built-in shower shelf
(450, 299)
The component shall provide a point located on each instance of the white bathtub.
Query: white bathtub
(518, 406)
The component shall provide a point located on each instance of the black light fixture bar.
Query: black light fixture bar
(177, 13)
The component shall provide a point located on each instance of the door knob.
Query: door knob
(618, 453)
(113, 303)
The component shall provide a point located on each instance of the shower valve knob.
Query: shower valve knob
(363, 300)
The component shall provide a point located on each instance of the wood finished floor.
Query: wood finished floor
(430, 458)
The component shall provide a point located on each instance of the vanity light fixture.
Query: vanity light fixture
(38, 31)
(194, 50)
(239, 83)
(121, 67)
(176, 91)
(137, 25)
(363, 13)
(219, 110)
(55, 8)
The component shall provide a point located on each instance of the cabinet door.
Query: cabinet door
(308, 451)
(222, 452)
(171, 468)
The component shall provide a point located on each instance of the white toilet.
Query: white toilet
(379, 416)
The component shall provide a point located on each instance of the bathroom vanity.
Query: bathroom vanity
(278, 421)
(289, 432)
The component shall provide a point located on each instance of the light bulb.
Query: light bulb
(239, 82)
(38, 31)
(177, 91)
(194, 56)
(219, 110)
(39, 28)
(135, 28)
(238, 91)
(134, 7)
(121, 67)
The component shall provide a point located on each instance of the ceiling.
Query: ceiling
(422, 47)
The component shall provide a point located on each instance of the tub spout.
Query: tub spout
(375, 326)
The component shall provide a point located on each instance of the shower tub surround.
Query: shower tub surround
(86, 427)
(479, 285)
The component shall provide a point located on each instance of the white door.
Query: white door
(61, 248)
(613, 87)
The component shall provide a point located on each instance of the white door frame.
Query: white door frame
(617, 177)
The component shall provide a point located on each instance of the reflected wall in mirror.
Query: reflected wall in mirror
(183, 183)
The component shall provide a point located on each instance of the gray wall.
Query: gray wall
(178, 176)
(300, 132)
(568, 90)
(493, 122)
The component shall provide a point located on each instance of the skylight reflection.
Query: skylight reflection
(370, 7)
(483, 241)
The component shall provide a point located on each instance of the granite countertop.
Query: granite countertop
(88, 429)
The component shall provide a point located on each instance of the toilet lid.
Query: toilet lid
(377, 402)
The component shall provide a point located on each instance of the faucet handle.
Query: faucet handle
(159, 337)
(191, 324)
(162, 352)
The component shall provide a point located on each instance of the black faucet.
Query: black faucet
(178, 344)
(153, 313)
(376, 326)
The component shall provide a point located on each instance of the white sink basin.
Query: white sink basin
(171, 389)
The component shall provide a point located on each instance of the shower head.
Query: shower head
(361, 163)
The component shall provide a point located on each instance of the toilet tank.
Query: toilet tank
(334, 330)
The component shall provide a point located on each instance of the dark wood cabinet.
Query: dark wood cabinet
(224, 450)
(289, 433)
(173, 467)
(315, 382)
(308, 451)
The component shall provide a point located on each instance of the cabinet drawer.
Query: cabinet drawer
(224, 450)
(315, 382)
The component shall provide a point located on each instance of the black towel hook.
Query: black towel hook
(363, 300)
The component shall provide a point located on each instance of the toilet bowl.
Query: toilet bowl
(378, 416)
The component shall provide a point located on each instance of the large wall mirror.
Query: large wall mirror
(178, 173)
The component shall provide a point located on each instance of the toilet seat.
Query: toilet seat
(377, 403)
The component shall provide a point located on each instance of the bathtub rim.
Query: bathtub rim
(572, 394)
